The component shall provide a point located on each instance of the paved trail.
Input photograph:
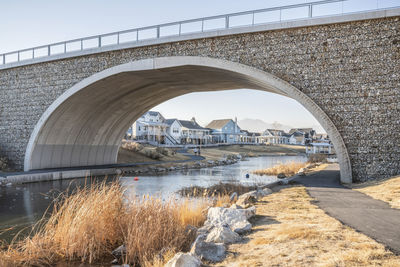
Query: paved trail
(369, 216)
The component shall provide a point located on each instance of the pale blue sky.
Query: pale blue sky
(27, 23)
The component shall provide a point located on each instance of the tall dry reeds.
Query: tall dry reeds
(87, 225)
(288, 169)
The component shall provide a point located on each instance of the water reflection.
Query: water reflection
(23, 205)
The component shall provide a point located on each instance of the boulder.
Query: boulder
(209, 251)
(241, 227)
(263, 192)
(183, 260)
(247, 199)
(223, 234)
(235, 206)
(236, 219)
(204, 230)
(281, 176)
(249, 212)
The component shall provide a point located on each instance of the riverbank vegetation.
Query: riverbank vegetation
(216, 190)
(288, 230)
(288, 169)
(136, 152)
(387, 190)
(87, 225)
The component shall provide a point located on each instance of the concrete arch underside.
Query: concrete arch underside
(85, 125)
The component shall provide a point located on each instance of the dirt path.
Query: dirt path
(372, 217)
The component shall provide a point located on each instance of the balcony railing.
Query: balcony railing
(200, 25)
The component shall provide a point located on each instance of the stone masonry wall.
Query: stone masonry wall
(351, 70)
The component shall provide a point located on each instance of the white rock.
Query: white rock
(241, 227)
(236, 219)
(249, 212)
(247, 199)
(222, 234)
(264, 192)
(183, 260)
(235, 206)
(209, 251)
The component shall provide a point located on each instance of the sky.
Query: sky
(27, 23)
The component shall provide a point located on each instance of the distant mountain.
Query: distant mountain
(256, 125)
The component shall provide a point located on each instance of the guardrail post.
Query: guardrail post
(202, 25)
(180, 29)
(158, 31)
(33, 53)
(65, 47)
(4, 59)
(252, 20)
(117, 38)
(310, 10)
(48, 50)
(137, 35)
(81, 44)
(227, 22)
(99, 41)
(18, 56)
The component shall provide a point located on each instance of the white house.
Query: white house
(150, 127)
(188, 132)
(319, 148)
(225, 131)
(274, 136)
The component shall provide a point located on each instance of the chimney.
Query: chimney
(235, 124)
(193, 120)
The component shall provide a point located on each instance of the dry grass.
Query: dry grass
(290, 231)
(288, 169)
(387, 190)
(220, 189)
(87, 225)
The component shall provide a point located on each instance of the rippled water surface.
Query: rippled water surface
(23, 205)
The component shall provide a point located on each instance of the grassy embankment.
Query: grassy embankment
(87, 225)
(216, 153)
(135, 152)
(387, 190)
(291, 168)
(289, 230)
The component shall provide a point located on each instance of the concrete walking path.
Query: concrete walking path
(369, 216)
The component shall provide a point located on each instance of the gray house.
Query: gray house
(225, 131)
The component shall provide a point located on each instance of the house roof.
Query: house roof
(304, 130)
(296, 134)
(170, 121)
(153, 113)
(218, 124)
(276, 132)
(191, 125)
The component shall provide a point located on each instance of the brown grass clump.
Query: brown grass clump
(288, 169)
(289, 230)
(87, 225)
(387, 190)
(220, 189)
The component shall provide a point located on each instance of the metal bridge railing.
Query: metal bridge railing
(228, 21)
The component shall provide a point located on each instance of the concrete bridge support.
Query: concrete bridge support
(74, 111)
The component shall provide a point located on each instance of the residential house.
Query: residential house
(225, 131)
(250, 137)
(150, 127)
(274, 136)
(193, 133)
(301, 136)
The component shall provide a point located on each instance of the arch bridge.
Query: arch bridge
(73, 108)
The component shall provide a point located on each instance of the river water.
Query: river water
(23, 205)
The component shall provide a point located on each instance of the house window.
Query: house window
(139, 128)
(175, 130)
